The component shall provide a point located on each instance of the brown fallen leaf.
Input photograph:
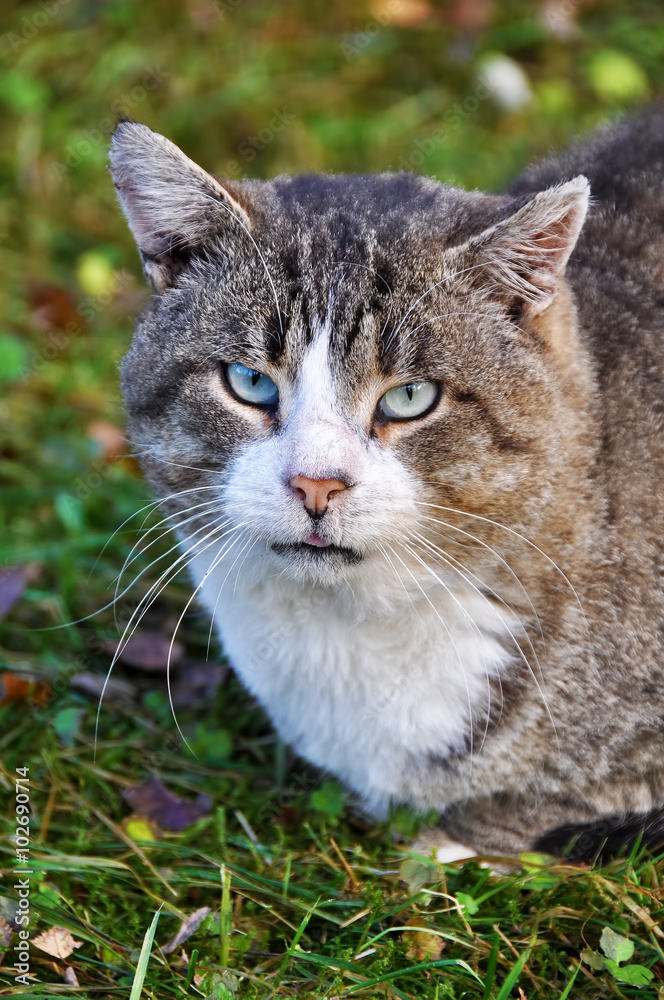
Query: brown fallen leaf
(469, 15)
(197, 682)
(187, 928)
(70, 977)
(13, 688)
(53, 308)
(147, 651)
(56, 941)
(153, 800)
(421, 945)
(116, 691)
(13, 581)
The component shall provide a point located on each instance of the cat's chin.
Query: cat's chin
(322, 563)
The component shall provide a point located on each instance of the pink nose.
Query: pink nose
(316, 494)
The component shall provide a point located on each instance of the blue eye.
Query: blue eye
(251, 386)
(406, 402)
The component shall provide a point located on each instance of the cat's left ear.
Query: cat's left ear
(524, 257)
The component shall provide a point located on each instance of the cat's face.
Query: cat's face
(327, 357)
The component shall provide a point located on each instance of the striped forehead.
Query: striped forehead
(352, 301)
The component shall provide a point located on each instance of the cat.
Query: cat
(412, 439)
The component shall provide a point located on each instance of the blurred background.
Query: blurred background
(467, 91)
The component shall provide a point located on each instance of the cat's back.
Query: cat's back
(617, 268)
(624, 163)
(617, 275)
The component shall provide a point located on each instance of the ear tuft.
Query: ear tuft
(527, 253)
(173, 207)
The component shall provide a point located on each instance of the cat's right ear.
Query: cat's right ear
(522, 259)
(174, 208)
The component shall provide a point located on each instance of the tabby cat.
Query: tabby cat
(412, 438)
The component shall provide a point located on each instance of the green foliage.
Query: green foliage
(358, 86)
(329, 799)
(617, 949)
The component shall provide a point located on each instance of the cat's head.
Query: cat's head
(327, 356)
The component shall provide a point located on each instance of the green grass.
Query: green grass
(305, 899)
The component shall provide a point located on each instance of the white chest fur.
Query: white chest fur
(363, 689)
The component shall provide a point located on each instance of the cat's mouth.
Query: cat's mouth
(317, 548)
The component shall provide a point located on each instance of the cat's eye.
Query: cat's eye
(251, 386)
(406, 402)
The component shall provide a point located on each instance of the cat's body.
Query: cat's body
(460, 608)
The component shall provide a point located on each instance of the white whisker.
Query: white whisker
(449, 634)
(512, 531)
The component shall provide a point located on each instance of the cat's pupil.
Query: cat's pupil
(409, 391)
(255, 377)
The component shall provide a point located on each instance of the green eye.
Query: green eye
(251, 386)
(409, 401)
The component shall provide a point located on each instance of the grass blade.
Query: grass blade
(226, 916)
(517, 969)
(491, 968)
(144, 958)
(296, 940)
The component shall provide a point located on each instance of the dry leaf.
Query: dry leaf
(469, 15)
(56, 941)
(421, 945)
(198, 682)
(70, 977)
(147, 651)
(187, 928)
(152, 799)
(13, 688)
(13, 581)
(54, 308)
(5, 933)
(116, 691)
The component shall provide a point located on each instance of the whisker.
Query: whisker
(502, 560)
(522, 655)
(214, 610)
(148, 506)
(218, 524)
(475, 627)
(213, 505)
(448, 277)
(220, 204)
(215, 562)
(153, 594)
(450, 636)
(512, 531)
(445, 316)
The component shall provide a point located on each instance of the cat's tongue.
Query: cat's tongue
(316, 540)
